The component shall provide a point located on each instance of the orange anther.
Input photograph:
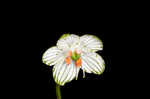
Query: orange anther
(68, 60)
(69, 53)
(78, 62)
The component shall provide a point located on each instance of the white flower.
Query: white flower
(73, 53)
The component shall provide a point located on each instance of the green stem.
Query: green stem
(58, 92)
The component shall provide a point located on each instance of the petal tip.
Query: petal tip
(64, 36)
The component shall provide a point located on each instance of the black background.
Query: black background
(34, 79)
(30, 33)
(31, 78)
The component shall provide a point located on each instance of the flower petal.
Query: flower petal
(64, 73)
(77, 72)
(52, 56)
(90, 43)
(67, 42)
(92, 62)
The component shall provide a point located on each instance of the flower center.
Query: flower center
(75, 56)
